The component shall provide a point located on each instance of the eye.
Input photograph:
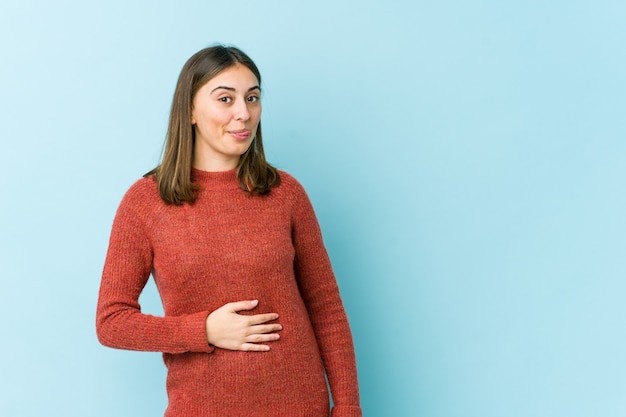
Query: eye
(225, 99)
(253, 99)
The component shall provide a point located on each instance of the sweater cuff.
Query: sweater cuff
(196, 332)
(346, 411)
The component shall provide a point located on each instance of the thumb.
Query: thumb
(242, 305)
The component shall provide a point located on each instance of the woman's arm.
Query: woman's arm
(320, 293)
(119, 320)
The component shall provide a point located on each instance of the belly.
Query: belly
(291, 374)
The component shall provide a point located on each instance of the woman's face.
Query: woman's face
(226, 113)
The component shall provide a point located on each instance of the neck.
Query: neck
(214, 164)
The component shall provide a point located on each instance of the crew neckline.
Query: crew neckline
(215, 179)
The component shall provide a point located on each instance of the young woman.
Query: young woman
(253, 318)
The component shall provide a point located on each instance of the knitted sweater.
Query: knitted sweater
(229, 246)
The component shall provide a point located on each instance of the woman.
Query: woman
(253, 318)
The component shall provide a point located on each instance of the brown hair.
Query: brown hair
(173, 175)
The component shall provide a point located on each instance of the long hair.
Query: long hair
(173, 175)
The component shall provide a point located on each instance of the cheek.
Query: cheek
(256, 114)
(212, 118)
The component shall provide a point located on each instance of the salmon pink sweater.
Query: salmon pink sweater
(229, 246)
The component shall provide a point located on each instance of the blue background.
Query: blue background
(466, 161)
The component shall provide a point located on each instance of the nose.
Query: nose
(241, 111)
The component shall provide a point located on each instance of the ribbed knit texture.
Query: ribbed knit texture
(228, 247)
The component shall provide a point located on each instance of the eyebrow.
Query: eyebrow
(223, 87)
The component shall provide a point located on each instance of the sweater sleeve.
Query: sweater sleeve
(119, 320)
(320, 293)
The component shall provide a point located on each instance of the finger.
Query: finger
(241, 305)
(253, 347)
(265, 328)
(261, 318)
(262, 338)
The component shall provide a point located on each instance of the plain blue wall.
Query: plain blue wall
(466, 160)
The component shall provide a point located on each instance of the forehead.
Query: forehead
(237, 76)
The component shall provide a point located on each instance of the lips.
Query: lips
(242, 134)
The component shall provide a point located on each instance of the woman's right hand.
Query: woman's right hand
(228, 330)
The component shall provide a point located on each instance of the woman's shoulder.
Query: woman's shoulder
(289, 183)
(143, 187)
(291, 192)
(288, 179)
(143, 192)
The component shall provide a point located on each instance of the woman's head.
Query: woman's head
(187, 134)
(202, 67)
(225, 116)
